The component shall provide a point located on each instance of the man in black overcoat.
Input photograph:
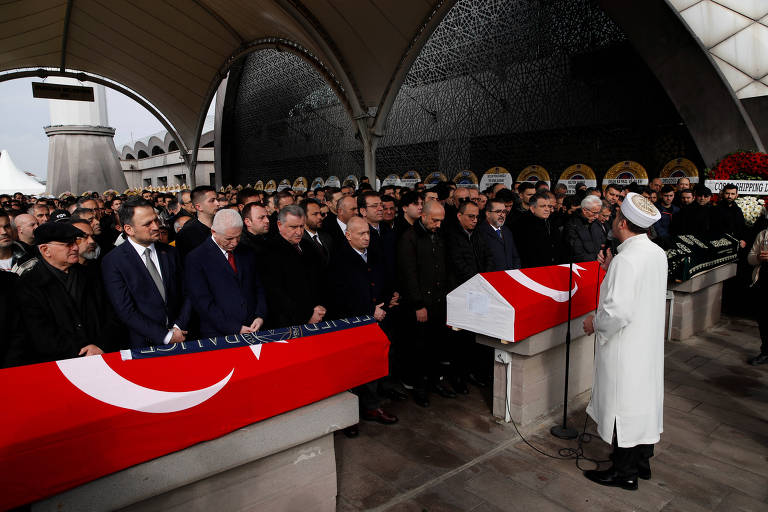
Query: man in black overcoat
(537, 238)
(423, 284)
(292, 275)
(583, 236)
(65, 310)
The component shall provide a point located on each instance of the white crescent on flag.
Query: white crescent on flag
(94, 377)
(556, 295)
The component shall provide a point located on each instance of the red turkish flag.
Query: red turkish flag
(55, 435)
(512, 305)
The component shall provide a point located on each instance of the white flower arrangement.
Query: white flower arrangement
(751, 207)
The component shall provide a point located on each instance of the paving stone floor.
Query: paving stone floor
(454, 456)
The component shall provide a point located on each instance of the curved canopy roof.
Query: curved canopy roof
(175, 54)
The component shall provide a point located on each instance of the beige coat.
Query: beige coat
(628, 388)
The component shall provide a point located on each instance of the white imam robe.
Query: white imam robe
(628, 386)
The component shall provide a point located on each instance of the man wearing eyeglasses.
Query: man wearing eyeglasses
(468, 254)
(583, 236)
(498, 237)
(66, 313)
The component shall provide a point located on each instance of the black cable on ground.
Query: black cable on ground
(577, 453)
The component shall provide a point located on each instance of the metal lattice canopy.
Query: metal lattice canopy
(498, 82)
(175, 53)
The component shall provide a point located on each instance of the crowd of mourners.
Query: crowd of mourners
(101, 272)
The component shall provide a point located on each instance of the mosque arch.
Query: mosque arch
(143, 154)
(277, 102)
(141, 147)
(155, 145)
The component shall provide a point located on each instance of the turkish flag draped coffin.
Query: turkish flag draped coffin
(69, 422)
(512, 305)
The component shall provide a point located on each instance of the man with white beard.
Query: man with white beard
(87, 248)
(628, 391)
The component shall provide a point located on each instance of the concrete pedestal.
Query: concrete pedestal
(283, 463)
(698, 301)
(529, 376)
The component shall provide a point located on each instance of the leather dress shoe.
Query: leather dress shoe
(441, 389)
(351, 431)
(421, 397)
(645, 474)
(611, 478)
(477, 381)
(380, 416)
(395, 394)
(757, 360)
(459, 386)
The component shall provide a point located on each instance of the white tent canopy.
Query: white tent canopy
(13, 180)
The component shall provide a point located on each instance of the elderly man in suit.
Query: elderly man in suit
(583, 237)
(222, 280)
(143, 280)
(498, 237)
(361, 287)
(346, 208)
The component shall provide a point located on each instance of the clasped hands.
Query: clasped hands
(255, 326)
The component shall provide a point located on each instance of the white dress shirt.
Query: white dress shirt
(153, 256)
(342, 225)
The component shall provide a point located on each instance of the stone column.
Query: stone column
(81, 149)
(83, 158)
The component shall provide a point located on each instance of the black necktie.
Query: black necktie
(320, 245)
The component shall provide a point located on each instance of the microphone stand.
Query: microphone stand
(564, 431)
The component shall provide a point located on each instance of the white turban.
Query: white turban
(639, 210)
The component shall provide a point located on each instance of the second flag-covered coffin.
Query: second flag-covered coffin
(512, 305)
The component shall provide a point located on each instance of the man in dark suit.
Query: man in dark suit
(346, 208)
(143, 280)
(222, 280)
(498, 237)
(313, 233)
(371, 209)
(467, 255)
(361, 287)
(255, 228)
(292, 274)
(197, 230)
(537, 237)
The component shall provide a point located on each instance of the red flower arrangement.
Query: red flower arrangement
(741, 165)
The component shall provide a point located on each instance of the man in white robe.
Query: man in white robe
(628, 390)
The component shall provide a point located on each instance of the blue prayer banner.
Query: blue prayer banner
(253, 338)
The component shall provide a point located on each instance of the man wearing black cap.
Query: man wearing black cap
(66, 312)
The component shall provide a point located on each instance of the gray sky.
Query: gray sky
(23, 117)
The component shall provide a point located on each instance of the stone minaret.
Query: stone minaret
(81, 150)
